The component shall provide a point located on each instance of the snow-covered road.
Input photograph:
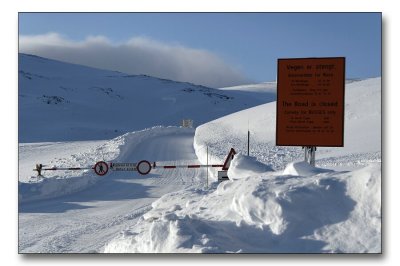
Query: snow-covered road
(86, 220)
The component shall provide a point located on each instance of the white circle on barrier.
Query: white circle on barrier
(143, 167)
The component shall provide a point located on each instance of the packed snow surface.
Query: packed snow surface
(75, 211)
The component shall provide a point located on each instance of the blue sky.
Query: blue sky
(249, 43)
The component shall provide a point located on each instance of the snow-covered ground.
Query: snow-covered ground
(267, 213)
(362, 133)
(85, 211)
(74, 116)
(274, 202)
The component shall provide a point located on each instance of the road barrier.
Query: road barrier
(189, 166)
(143, 167)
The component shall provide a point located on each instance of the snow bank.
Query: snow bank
(60, 183)
(45, 188)
(298, 209)
(243, 166)
(303, 169)
(362, 133)
(211, 158)
(361, 231)
(266, 213)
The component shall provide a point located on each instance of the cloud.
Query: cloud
(138, 55)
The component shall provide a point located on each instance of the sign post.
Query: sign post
(309, 154)
(207, 166)
(310, 103)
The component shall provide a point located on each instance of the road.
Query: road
(84, 221)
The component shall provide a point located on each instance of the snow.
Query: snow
(130, 147)
(243, 166)
(361, 232)
(74, 216)
(74, 116)
(54, 153)
(66, 102)
(265, 87)
(362, 133)
(302, 169)
(295, 209)
(269, 213)
(60, 154)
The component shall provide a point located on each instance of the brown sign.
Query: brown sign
(310, 102)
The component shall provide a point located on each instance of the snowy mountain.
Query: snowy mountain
(61, 101)
(273, 202)
(265, 87)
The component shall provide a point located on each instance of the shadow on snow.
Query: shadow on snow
(116, 187)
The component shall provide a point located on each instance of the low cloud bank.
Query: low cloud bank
(139, 55)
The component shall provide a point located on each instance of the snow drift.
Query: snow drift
(269, 213)
(335, 207)
(243, 166)
(302, 169)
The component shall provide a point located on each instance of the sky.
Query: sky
(211, 49)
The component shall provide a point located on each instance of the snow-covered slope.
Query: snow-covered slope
(61, 101)
(265, 91)
(265, 87)
(275, 202)
(362, 139)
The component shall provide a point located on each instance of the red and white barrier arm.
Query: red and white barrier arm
(66, 168)
(187, 166)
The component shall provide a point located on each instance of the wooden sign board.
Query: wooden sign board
(310, 102)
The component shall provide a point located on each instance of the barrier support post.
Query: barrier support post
(207, 167)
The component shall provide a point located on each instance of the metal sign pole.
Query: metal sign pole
(248, 143)
(309, 154)
(312, 155)
(207, 166)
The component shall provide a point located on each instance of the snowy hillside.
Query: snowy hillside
(62, 102)
(274, 202)
(265, 90)
(265, 87)
(362, 140)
